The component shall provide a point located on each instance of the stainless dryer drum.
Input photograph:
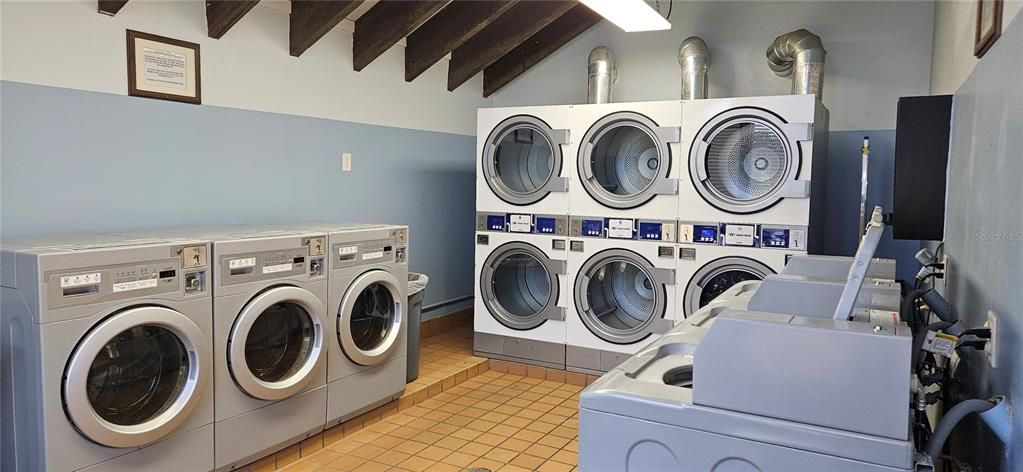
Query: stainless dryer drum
(135, 377)
(519, 285)
(624, 160)
(747, 159)
(621, 297)
(370, 317)
(276, 343)
(719, 275)
(522, 160)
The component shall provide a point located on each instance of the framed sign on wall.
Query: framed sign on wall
(163, 68)
(989, 25)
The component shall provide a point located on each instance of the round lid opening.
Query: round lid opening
(280, 342)
(373, 316)
(625, 160)
(746, 161)
(621, 295)
(524, 160)
(521, 286)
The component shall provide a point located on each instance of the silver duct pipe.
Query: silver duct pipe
(694, 57)
(801, 55)
(601, 76)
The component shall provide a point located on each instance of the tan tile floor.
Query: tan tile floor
(497, 421)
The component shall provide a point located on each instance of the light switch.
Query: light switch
(346, 162)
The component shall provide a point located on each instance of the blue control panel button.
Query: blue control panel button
(495, 222)
(774, 237)
(651, 231)
(705, 234)
(592, 227)
(545, 225)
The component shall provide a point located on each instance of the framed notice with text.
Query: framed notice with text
(989, 26)
(163, 68)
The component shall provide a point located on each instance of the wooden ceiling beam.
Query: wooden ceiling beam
(110, 7)
(447, 30)
(387, 23)
(221, 15)
(311, 19)
(503, 35)
(538, 47)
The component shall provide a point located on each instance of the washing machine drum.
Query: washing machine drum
(622, 161)
(742, 160)
(620, 297)
(519, 286)
(522, 160)
(370, 317)
(719, 275)
(136, 376)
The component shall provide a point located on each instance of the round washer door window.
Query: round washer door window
(742, 159)
(622, 162)
(619, 296)
(276, 343)
(522, 160)
(370, 317)
(135, 376)
(719, 275)
(519, 285)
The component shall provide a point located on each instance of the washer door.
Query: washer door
(519, 286)
(624, 160)
(719, 275)
(522, 160)
(746, 159)
(621, 297)
(135, 376)
(276, 343)
(370, 317)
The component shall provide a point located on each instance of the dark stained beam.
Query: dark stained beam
(538, 47)
(221, 15)
(385, 24)
(504, 34)
(110, 7)
(447, 30)
(311, 19)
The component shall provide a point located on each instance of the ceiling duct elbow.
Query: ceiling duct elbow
(801, 55)
(601, 75)
(694, 57)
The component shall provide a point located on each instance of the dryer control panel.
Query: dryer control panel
(624, 228)
(524, 223)
(743, 235)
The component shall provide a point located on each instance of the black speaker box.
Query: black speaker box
(922, 132)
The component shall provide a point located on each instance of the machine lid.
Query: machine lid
(621, 297)
(522, 160)
(519, 286)
(370, 317)
(717, 276)
(747, 159)
(276, 343)
(135, 377)
(624, 160)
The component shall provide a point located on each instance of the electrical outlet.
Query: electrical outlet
(941, 285)
(991, 348)
(346, 162)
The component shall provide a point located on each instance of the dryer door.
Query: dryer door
(276, 343)
(621, 297)
(519, 286)
(719, 275)
(747, 159)
(135, 376)
(624, 160)
(370, 317)
(522, 160)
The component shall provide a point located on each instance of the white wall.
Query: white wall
(68, 44)
(955, 22)
(877, 52)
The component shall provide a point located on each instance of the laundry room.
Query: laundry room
(506, 235)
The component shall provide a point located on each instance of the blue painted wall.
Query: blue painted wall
(85, 161)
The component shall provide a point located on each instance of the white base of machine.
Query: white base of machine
(190, 451)
(254, 434)
(356, 394)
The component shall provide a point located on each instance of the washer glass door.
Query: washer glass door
(719, 275)
(624, 160)
(522, 160)
(621, 297)
(370, 317)
(135, 376)
(276, 343)
(519, 286)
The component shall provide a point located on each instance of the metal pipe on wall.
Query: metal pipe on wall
(601, 76)
(799, 54)
(694, 57)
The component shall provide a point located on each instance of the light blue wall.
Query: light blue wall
(85, 161)
(984, 234)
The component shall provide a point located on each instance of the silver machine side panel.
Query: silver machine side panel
(819, 297)
(836, 267)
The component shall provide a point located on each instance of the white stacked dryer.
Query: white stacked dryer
(624, 294)
(108, 355)
(522, 288)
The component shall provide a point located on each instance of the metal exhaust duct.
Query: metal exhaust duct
(601, 75)
(694, 57)
(801, 55)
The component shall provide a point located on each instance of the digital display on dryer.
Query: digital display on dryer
(545, 225)
(705, 234)
(495, 222)
(592, 228)
(774, 237)
(650, 231)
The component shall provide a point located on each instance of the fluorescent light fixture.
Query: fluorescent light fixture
(629, 15)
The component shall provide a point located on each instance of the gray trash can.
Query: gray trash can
(416, 291)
